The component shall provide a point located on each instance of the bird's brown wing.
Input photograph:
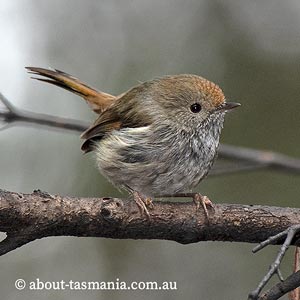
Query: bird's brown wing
(97, 100)
(125, 112)
(115, 112)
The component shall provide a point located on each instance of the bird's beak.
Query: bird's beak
(227, 106)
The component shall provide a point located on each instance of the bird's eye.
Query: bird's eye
(195, 108)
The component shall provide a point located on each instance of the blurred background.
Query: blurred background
(250, 48)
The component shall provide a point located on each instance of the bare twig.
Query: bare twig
(262, 158)
(11, 115)
(248, 159)
(289, 235)
(231, 168)
(282, 288)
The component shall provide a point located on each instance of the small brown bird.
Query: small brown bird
(159, 138)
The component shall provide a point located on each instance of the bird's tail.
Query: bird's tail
(97, 100)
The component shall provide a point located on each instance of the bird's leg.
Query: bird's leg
(142, 203)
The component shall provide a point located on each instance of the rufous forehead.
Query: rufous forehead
(188, 85)
(211, 90)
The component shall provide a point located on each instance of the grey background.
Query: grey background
(250, 48)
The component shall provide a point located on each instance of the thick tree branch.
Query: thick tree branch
(26, 217)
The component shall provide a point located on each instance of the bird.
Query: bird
(160, 138)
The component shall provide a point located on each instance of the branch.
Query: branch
(248, 159)
(27, 217)
(262, 158)
(11, 115)
(289, 235)
(282, 288)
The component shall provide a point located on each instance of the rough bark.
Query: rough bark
(26, 217)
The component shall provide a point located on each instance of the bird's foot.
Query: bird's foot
(149, 203)
(199, 200)
(203, 201)
(142, 204)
